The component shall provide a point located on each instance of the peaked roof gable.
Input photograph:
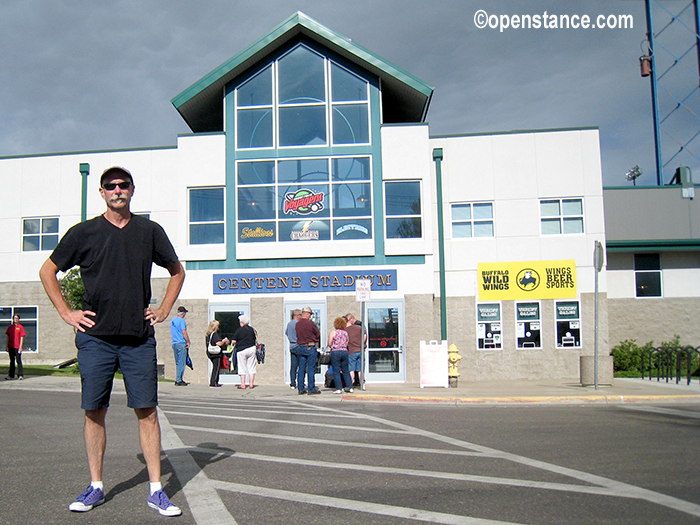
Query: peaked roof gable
(405, 98)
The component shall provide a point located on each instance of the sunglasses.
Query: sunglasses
(109, 186)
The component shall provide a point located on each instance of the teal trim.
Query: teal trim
(513, 132)
(377, 173)
(392, 260)
(313, 29)
(653, 245)
(654, 187)
(85, 152)
(200, 104)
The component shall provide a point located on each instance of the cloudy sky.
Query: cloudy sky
(83, 75)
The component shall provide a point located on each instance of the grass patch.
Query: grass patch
(46, 370)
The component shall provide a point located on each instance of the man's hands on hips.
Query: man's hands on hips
(155, 315)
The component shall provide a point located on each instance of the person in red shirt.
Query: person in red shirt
(15, 340)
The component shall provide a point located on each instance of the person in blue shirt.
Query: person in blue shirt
(181, 344)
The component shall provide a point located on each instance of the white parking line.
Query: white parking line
(373, 446)
(596, 485)
(283, 422)
(358, 506)
(665, 411)
(202, 499)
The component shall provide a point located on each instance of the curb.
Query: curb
(543, 400)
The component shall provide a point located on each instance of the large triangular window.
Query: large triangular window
(302, 99)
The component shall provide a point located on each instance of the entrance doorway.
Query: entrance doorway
(385, 359)
(227, 315)
(319, 317)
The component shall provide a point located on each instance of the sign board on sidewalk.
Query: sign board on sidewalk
(434, 364)
(363, 290)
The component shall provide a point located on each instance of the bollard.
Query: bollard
(453, 358)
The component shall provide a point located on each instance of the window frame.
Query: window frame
(25, 321)
(191, 223)
(558, 319)
(496, 340)
(330, 106)
(561, 217)
(40, 235)
(472, 221)
(330, 185)
(638, 272)
(390, 216)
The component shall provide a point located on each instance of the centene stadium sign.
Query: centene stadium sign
(320, 281)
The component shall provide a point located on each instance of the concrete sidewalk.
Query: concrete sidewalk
(548, 391)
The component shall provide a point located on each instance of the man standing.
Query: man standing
(308, 336)
(291, 333)
(15, 341)
(355, 346)
(115, 252)
(181, 344)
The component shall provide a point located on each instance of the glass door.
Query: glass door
(227, 315)
(385, 357)
(319, 317)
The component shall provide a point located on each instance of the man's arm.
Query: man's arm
(76, 318)
(177, 277)
(186, 336)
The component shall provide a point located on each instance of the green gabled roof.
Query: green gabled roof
(405, 98)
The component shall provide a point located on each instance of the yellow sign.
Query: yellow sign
(515, 281)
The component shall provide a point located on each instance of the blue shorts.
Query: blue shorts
(355, 362)
(99, 359)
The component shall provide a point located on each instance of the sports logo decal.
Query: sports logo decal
(303, 202)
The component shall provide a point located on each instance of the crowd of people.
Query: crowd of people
(344, 346)
(345, 343)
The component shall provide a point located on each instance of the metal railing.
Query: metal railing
(670, 362)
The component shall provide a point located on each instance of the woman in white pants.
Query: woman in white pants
(244, 339)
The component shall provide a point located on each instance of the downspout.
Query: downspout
(84, 172)
(437, 158)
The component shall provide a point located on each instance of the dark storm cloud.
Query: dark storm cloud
(91, 76)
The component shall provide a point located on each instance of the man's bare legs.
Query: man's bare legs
(95, 441)
(149, 437)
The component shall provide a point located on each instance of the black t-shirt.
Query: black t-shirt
(115, 264)
(244, 337)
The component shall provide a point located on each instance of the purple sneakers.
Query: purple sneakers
(159, 501)
(87, 500)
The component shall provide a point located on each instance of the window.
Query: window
(472, 220)
(286, 104)
(206, 216)
(27, 318)
(561, 216)
(403, 210)
(39, 234)
(528, 325)
(647, 275)
(568, 320)
(488, 320)
(320, 198)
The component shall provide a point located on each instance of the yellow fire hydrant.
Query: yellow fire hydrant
(453, 358)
